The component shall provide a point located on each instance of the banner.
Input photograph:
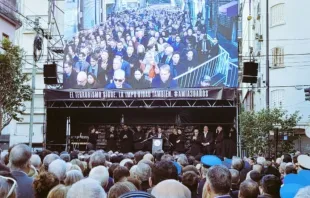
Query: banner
(160, 94)
(150, 45)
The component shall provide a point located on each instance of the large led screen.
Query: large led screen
(140, 44)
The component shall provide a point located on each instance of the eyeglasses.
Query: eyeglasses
(13, 186)
(118, 80)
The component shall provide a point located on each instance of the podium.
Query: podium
(157, 144)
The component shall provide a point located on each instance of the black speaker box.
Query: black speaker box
(50, 71)
(50, 81)
(250, 71)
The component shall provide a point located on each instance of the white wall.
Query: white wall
(7, 28)
(293, 36)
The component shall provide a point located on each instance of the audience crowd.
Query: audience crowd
(100, 174)
(138, 49)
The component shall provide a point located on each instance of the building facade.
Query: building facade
(9, 23)
(289, 55)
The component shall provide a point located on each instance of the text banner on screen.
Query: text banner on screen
(102, 94)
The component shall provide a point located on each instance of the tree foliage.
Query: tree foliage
(255, 127)
(13, 88)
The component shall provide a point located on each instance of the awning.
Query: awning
(230, 9)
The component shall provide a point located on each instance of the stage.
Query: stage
(70, 117)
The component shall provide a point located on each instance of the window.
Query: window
(278, 57)
(277, 14)
(4, 35)
(277, 97)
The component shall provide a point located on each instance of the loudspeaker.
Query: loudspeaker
(250, 71)
(50, 70)
(50, 74)
(50, 81)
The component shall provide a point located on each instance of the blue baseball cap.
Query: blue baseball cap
(210, 160)
(178, 166)
(289, 190)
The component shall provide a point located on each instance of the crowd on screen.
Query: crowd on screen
(101, 174)
(138, 49)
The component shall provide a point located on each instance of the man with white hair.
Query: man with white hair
(167, 58)
(118, 81)
(171, 188)
(58, 167)
(86, 188)
(48, 159)
(35, 161)
(97, 159)
(100, 174)
(20, 165)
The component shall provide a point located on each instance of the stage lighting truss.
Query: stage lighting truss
(148, 104)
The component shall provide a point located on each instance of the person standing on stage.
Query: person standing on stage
(111, 138)
(161, 135)
(138, 137)
(173, 139)
(93, 136)
(219, 137)
(195, 144)
(150, 136)
(126, 138)
(230, 143)
(207, 140)
(180, 142)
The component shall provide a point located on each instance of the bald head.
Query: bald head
(20, 157)
(81, 78)
(171, 188)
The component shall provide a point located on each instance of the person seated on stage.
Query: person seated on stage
(118, 81)
(164, 79)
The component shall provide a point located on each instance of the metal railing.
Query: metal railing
(217, 68)
(232, 76)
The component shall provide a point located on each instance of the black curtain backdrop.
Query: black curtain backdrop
(81, 119)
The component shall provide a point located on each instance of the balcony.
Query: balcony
(8, 10)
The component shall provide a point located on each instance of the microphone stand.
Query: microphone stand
(168, 140)
(147, 139)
